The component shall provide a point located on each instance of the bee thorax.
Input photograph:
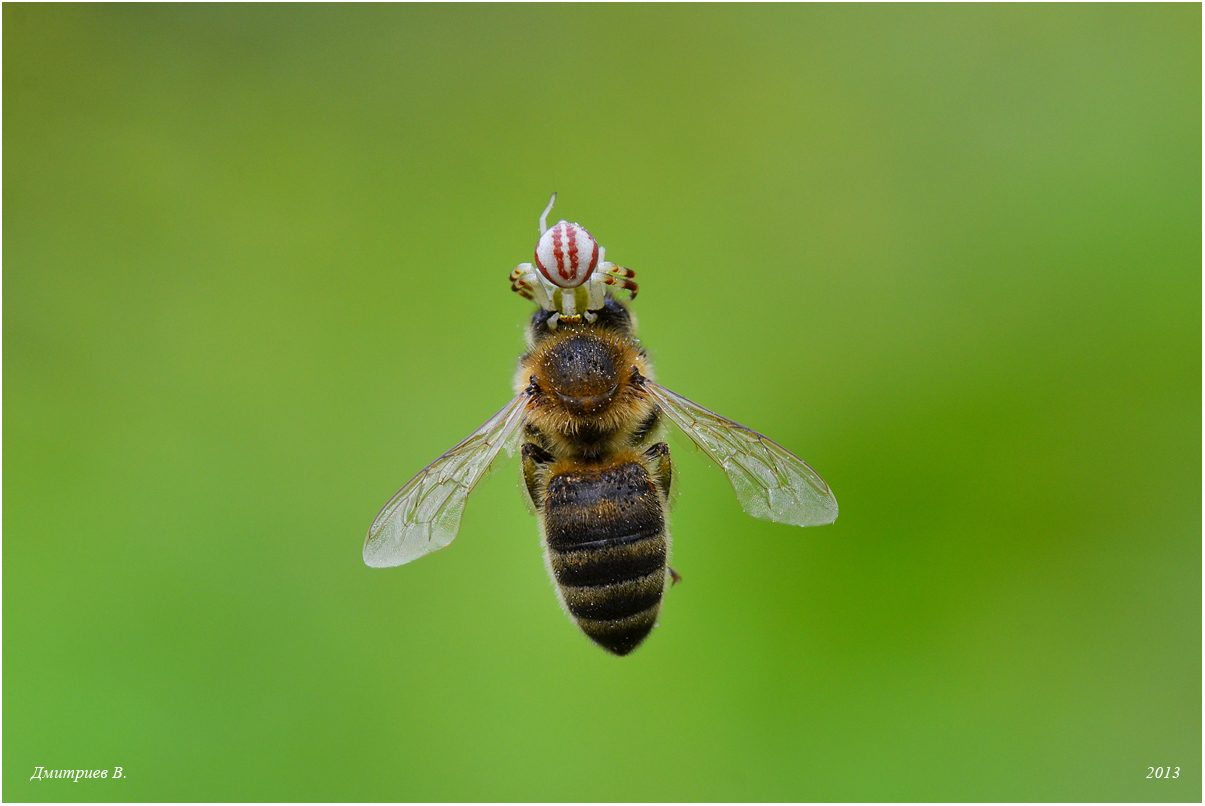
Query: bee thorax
(581, 377)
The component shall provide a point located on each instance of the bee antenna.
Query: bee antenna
(544, 215)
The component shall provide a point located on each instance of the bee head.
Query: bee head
(567, 254)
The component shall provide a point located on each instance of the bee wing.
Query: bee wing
(770, 482)
(425, 514)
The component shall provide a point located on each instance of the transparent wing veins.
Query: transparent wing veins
(770, 482)
(425, 514)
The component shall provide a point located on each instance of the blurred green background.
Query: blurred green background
(255, 266)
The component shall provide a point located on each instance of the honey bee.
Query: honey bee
(595, 467)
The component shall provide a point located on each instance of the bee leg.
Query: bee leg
(661, 467)
(535, 460)
(674, 576)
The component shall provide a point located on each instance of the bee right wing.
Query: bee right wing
(770, 482)
(425, 514)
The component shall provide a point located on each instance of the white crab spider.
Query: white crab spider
(571, 273)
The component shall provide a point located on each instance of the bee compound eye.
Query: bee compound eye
(567, 254)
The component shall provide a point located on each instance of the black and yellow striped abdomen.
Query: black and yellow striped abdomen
(606, 544)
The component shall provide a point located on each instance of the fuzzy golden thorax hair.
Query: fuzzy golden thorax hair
(585, 404)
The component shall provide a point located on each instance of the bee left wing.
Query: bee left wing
(770, 482)
(425, 514)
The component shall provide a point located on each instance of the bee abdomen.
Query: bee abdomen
(619, 601)
(607, 546)
(620, 636)
(612, 565)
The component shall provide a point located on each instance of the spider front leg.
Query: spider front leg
(518, 283)
(620, 276)
(526, 283)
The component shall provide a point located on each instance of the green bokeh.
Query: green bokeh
(255, 268)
